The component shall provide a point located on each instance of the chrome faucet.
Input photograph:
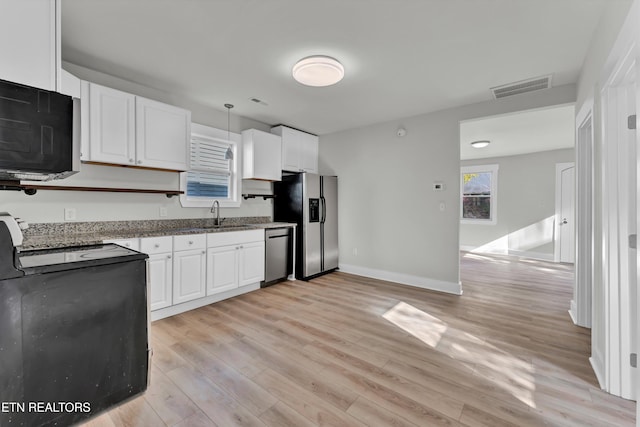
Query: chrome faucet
(216, 206)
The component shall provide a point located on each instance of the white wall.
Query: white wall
(48, 206)
(388, 211)
(525, 206)
(596, 65)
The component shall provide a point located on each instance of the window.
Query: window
(479, 193)
(214, 169)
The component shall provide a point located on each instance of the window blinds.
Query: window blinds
(210, 172)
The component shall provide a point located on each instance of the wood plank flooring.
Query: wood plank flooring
(343, 350)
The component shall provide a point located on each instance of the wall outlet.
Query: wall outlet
(438, 186)
(163, 211)
(69, 214)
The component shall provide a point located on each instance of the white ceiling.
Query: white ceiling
(519, 133)
(402, 58)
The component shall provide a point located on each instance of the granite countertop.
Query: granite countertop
(56, 235)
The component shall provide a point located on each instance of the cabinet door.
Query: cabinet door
(160, 281)
(309, 153)
(162, 135)
(290, 149)
(111, 125)
(222, 269)
(127, 243)
(251, 263)
(262, 155)
(189, 274)
(29, 43)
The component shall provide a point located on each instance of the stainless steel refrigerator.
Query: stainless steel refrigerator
(311, 201)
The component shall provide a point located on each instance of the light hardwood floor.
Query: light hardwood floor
(344, 350)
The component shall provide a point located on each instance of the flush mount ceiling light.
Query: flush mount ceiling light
(480, 144)
(318, 71)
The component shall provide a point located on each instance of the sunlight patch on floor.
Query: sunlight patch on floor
(505, 371)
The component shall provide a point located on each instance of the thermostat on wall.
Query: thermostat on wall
(438, 186)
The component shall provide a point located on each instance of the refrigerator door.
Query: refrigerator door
(311, 220)
(330, 222)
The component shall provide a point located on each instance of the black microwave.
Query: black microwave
(38, 136)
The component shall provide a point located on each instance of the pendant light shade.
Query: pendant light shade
(229, 153)
(318, 71)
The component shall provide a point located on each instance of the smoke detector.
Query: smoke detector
(523, 86)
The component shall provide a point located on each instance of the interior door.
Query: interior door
(567, 207)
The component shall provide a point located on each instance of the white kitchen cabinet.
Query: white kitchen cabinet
(262, 155)
(111, 124)
(70, 84)
(189, 267)
(124, 129)
(299, 150)
(222, 269)
(234, 259)
(160, 265)
(163, 133)
(127, 243)
(30, 42)
(251, 263)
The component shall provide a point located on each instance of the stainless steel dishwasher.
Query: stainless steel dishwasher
(278, 262)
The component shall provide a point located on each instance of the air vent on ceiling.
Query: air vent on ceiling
(258, 101)
(523, 86)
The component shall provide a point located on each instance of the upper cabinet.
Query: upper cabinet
(124, 129)
(30, 43)
(262, 158)
(162, 135)
(299, 150)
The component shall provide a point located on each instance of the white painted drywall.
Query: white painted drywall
(390, 220)
(525, 208)
(48, 206)
(589, 86)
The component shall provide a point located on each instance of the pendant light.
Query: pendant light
(229, 154)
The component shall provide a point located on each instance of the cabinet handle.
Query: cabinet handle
(156, 245)
(130, 160)
(169, 256)
(204, 252)
(139, 162)
(191, 242)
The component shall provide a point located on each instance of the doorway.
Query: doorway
(564, 236)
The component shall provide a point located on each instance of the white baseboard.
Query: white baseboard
(524, 254)
(405, 279)
(201, 302)
(573, 312)
(596, 370)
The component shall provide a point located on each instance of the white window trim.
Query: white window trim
(235, 192)
(494, 193)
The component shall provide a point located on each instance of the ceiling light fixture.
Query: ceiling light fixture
(318, 71)
(229, 153)
(480, 144)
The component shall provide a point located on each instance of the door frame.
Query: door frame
(581, 304)
(558, 220)
(619, 377)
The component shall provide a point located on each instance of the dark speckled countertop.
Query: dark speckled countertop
(55, 235)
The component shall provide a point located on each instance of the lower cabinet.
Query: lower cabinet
(189, 273)
(251, 263)
(234, 259)
(191, 267)
(222, 269)
(160, 281)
